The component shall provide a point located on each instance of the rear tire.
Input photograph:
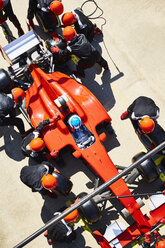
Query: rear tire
(89, 210)
(147, 168)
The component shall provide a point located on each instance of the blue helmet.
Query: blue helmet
(74, 121)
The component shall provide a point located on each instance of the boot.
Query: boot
(20, 31)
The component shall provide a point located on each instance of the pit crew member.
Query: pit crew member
(8, 104)
(78, 45)
(6, 11)
(45, 179)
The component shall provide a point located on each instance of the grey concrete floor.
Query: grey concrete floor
(134, 46)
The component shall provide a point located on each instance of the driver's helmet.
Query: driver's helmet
(75, 122)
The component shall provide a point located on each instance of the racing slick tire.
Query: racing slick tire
(5, 82)
(89, 211)
(147, 168)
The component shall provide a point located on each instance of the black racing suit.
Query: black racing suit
(44, 11)
(83, 25)
(144, 106)
(31, 176)
(87, 54)
(61, 231)
(7, 107)
(7, 12)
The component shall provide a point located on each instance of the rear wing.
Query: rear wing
(20, 46)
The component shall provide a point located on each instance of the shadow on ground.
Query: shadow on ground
(12, 143)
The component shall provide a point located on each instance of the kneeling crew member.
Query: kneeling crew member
(8, 105)
(45, 179)
(33, 145)
(143, 113)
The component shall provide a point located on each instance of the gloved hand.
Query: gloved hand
(124, 115)
(54, 154)
(54, 119)
(31, 24)
(54, 49)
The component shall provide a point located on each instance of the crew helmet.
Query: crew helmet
(49, 182)
(160, 242)
(57, 7)
(2, 4)
(69, 33)
(68, 19)
(72, 217)
(18, 95)
(75, 121)
(147, 125)
(37, 145)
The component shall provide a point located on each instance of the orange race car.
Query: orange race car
(58, 96)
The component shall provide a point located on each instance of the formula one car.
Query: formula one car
(57, 95)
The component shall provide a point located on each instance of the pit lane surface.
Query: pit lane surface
(135, 39)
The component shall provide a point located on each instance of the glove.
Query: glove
(54, 119)
(31, 24)
(45, 122)
(54, 49)
(124, 115)
(54, 154)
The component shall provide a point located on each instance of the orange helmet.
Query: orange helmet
(49, 182)
(160, 242)
(37, 145)
(72, 217)
(57, 7)
(69, 33)
(18, 94)
(147, 125)
(2, 5)
(68, 19)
